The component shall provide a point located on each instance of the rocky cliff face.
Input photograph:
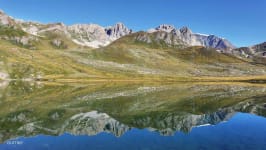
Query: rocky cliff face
(193, 39)
(96, 36)
(88, 35)
(91, 35)
(159, 39)
(117, 31)
(5, 19)
(258, 50)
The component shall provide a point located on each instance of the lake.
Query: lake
(133, 116)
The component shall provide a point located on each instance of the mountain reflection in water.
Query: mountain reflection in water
(31, 109)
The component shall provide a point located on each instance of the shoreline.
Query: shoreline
(248, 79)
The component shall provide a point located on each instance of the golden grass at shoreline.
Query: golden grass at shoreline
(246, 79)
(148, 79)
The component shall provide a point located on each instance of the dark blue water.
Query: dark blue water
(241, 132)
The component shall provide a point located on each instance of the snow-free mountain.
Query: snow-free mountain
(194, 39)
(258, 50)
(96, 36)
(91, 35)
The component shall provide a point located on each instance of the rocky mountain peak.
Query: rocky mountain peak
(261, 46)
(165, 28)
(117, 31)
(186, 36)
(91, 35)
(119, 26)
(185, 30)
(94, 35)
(255, 51)
(86, 28)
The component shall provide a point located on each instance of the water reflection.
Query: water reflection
(241, 132)
(30, 109)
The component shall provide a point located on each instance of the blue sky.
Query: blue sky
(243, 22)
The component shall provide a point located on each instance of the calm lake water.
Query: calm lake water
(152, 116)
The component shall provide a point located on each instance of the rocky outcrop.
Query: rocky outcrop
(3, 76)
(96, 36)
(59, 44)
(24, 41)
(91, 35)
(5, 19)
(258, 50)
(163, 27)
(193, 39)
(159, 39)
(117, 31)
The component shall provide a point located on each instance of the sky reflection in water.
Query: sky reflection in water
(243, 132)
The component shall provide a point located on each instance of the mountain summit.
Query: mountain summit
(95, 36)
(194, 39)
(117, 31)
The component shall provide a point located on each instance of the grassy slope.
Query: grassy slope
(125, 59)
(194, 62)
(24, 63)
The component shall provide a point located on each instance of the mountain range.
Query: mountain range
(93, 51)
(96, 36)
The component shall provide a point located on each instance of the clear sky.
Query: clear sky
(243, 22)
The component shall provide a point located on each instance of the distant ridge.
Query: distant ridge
(96, 36)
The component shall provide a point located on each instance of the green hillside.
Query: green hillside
(53, 56)
(161, 58)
